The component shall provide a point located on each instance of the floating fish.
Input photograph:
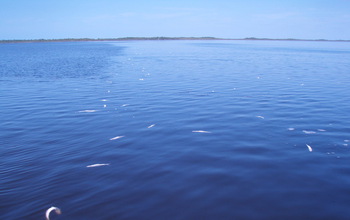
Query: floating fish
(309, 147)
(115, 138)
(151, 126)
(104, 106)
(309, 132)
(98, 165)
(201, 131)
(88, 111)
(48, 211)
(262, 117)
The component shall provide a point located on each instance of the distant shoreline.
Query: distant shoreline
(163, 38)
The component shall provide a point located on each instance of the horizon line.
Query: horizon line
(160, 38)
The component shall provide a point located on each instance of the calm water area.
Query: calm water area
(175, 130)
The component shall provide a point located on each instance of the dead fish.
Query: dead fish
(88, 111)
(98, 165)
(201, 131)
(309, 147)
(48, 211)
(151, 126)
(309, 132)
(115, 138)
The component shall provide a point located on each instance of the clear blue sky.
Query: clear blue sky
(307, 19)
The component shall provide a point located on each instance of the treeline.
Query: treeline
(109, 39)
(159, 38)
(291, 39)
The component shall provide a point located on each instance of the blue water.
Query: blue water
(207, 130)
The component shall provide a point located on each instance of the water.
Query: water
(257, 105)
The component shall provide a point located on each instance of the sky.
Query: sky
(56, 19)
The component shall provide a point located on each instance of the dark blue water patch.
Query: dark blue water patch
(55, 60)
(204, 132)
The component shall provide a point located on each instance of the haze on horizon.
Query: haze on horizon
(300, 19)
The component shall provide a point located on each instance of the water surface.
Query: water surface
(199, 129)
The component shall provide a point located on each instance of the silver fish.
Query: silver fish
(88, 111)
(48, 211)
(115, 138)
(309, 132)
(309, 147)
(151, 126)
(201, 131)
(98, 165)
